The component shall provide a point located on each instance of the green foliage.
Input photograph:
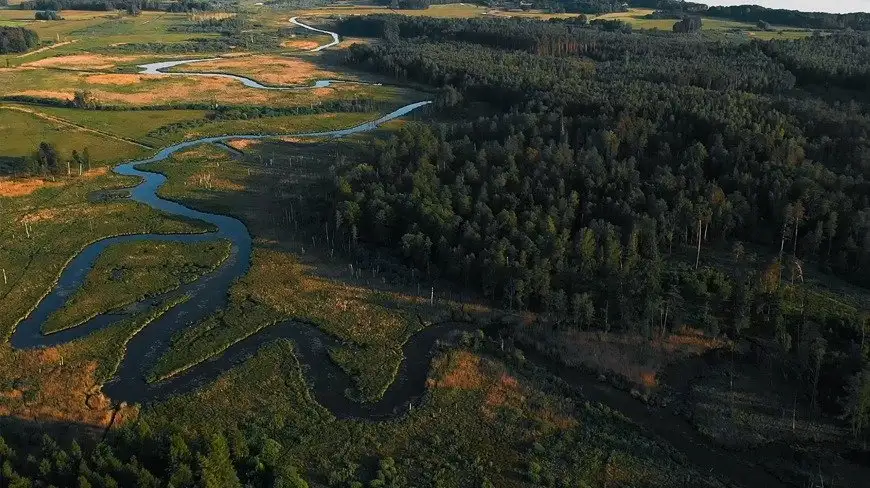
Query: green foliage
(17, 39)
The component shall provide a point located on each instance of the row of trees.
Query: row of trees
(131, 6)
(47, 160)
(137, 456)
(609, 167)
(17, 39)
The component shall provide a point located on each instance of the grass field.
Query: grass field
(278, 286)
(21, 132)
(60, 221)
(635, 17)
(128, 273)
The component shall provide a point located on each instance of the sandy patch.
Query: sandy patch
(114, 79)
(82, 61)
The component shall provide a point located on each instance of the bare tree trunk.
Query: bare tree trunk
(698, 255)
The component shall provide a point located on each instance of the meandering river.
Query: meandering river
(209, 294)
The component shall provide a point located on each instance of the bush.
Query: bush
(48, 15)
(17, 39)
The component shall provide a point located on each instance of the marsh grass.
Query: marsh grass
(132, 272)
(60, 221)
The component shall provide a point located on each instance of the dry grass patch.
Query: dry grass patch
(114, 79)
(82, 62)
(38, 385)
(270, 69)
(299, 44)
(19, 188)
(58, 95)
(242, 144)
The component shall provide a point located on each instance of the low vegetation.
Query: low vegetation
(43, 227)
(132, 272)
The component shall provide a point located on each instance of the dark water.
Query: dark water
(208, 295)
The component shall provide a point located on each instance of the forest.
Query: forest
(17, 39)
(138, 456)
(631, 182)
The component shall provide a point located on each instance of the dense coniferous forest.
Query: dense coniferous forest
(591, 176)
(17, 39)
(137, 456)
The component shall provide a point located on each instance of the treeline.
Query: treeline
(137, 456)
(46, 160)
(129, 5)
(792, 18)
(651, 56)
(17, 39)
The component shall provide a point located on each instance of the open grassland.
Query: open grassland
(97, 30)
(135, 90)
(496, 427)
(265, 68)
(44, 225)
(128, 273)
(278, 287)
(22, 129)
(134, 125)
(636, 18)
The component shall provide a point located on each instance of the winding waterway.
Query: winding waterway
(327, 381)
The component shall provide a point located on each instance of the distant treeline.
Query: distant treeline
(109, 5)
(755, 14)
(17, 40)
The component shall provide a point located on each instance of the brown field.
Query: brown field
(19, 188)
(82, 62)
(114, 79)
(275, 70)
(299, 44)
(55, 390)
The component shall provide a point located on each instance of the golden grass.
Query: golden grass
(58, 95)
(269, 69)
(299, 44)
(464, 374)
(55, 390)
(242, 144)
(20, 187)
(114, 79)
(82, 62)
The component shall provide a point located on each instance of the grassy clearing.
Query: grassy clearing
(61, 221)
(62, 384)
(635, 17)
(128, 273)
(130, 89)
(278, 286)
(21, 133)
(267, 69)
(135, 124)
